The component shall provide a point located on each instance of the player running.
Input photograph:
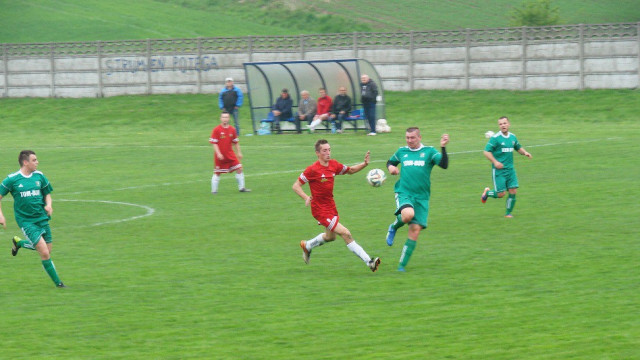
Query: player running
(413, 189)
(321, 176)
(31, 193)
(499, 151)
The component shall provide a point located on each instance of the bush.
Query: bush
(535, 13)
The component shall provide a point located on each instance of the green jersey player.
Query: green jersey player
(499, 151)
(31, 193)
(413, 189)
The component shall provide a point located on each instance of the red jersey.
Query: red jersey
(225, 138)
(321, 179)
(324, 105)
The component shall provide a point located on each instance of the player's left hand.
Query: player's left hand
(444, 140)
(48, 209)
(527, 155)
(366, 157)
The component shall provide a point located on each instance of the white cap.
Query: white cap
(228, 79)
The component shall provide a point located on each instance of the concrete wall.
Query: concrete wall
(575, 57)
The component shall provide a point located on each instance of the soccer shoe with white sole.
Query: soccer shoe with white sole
(306, 254)
(484, 195)
(401, 268)
(391, 234)
(509, 216)
(374, 263)
(61, 285)
(14, 246)
(245, 190)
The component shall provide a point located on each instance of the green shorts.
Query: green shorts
(420, 208)
(504, 179)
(33, 232)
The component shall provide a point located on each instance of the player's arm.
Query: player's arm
(392, 165)
(3, 222)
(493, 160)
(216, 151)
(297, 188)
(355, 168)
(48, 202)
(236, 147)
(524, 152)
(444, 160)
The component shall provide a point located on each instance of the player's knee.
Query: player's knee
(501, 194)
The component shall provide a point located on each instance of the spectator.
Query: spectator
(368, 97)
(306, 109)
(340, 110)
(282, 109)
(323, 109)
(230, 100)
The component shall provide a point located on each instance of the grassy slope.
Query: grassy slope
(557, 282)
(76, 20)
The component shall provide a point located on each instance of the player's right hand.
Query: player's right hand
(498, 165)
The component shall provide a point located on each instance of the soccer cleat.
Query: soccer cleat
(401, 268)
(214, 192)
(509, 216)
(374, 263)
(391, 234)
(484, 195)
(306, 254)
(14, 246)
(371, 134)
(61, 285)
(245, 190)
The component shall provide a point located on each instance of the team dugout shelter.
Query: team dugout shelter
(265, 81)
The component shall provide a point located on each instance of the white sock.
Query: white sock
(215, 180)
(316, 241)
(315, 123)
(240, 178)
(358, 250)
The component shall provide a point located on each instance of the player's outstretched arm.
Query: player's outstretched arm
(355, 168)
(524, 152)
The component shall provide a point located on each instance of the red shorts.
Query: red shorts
(227, 166)
(328, 219)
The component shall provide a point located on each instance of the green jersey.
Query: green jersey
(415, 174)
(502, 148)
(28, 195)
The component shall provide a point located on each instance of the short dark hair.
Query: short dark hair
(504, 117)
(413, 128)
(319, 143)
(285, 91)
(24, 156)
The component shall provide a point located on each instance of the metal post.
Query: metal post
(411, 62)
(355, 45)
(5, 62)
(638, 65)
(52, 59)
(523, 85)
(199, 62)
(301, 47)
(467, 56)
(148, 67)
(100, 92)
(250, 47)
(581, 59)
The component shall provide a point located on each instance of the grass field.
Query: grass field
(158, 268)
(90, 20)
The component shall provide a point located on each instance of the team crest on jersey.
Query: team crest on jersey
(421, 154)
(222, 136)
(38, 183)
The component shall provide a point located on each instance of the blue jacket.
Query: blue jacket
(228, 99)
(284, 106)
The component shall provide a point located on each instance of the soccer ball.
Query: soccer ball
(489, 134)
(376, 177)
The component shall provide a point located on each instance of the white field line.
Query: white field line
(251, 175)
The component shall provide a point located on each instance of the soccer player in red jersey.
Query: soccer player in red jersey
(320, 176)
(224, 138)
